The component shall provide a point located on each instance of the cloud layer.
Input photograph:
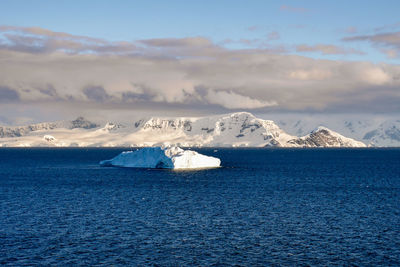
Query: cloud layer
(327, 49)
(389, 43)
(40, 66)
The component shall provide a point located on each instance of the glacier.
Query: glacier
(162, 158)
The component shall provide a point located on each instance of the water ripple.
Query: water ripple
(280, 207)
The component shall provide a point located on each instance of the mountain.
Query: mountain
(19, 131)
(386, 134)
(323, 137)
(240, 129)
(374, 131)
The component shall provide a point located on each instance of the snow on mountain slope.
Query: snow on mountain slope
(237, 129)
(18, 131)
(240, 129)
(323, 137)
(372, 130)
(386, 134)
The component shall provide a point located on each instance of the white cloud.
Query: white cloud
(327, 49)
(294, 9)
(273, 36)
(376, 76)
(232, 100)
(391, 53)
(313, 74)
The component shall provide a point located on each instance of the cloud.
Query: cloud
(48, 90)
(314, 74)
(178, 42)
(351, 30)
(96, 93)
(376, 76)
(260, 44)
(232, 100)
(253, 28)
(382, 40)
(39, 40)
(273, 36)
(387, 27)
(8, 95)
(294, 9)
(328, 49)
(391, 53)
(169, 74)
(388, 39)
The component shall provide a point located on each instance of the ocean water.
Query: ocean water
(263, 207)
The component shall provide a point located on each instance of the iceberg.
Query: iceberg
(162, 158)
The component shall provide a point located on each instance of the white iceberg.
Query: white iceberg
(162, 158)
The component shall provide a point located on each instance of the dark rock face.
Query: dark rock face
(81, 122)
(11, 132)
(172, 124)
(253, 126)
(112, 127)
(320, 138)
(138, 123)
(208, 130)
(187, 126)
(273, 143)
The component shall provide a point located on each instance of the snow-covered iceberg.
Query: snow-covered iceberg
(162, 158)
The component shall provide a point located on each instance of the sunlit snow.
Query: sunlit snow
(162, 158)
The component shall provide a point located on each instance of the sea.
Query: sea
(263, 207)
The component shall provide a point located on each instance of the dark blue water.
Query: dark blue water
(264, 207)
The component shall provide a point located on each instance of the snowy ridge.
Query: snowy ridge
(241, 129)
(323, 137)
(379, 131)
(386, 134)
(18, 131)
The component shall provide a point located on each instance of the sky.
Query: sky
(60, 59)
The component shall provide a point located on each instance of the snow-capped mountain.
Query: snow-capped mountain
(374, 131)
(232, 130)
(323, 137)
(386, 134)
(19, 131)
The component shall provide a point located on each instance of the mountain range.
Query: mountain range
(241, 129)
